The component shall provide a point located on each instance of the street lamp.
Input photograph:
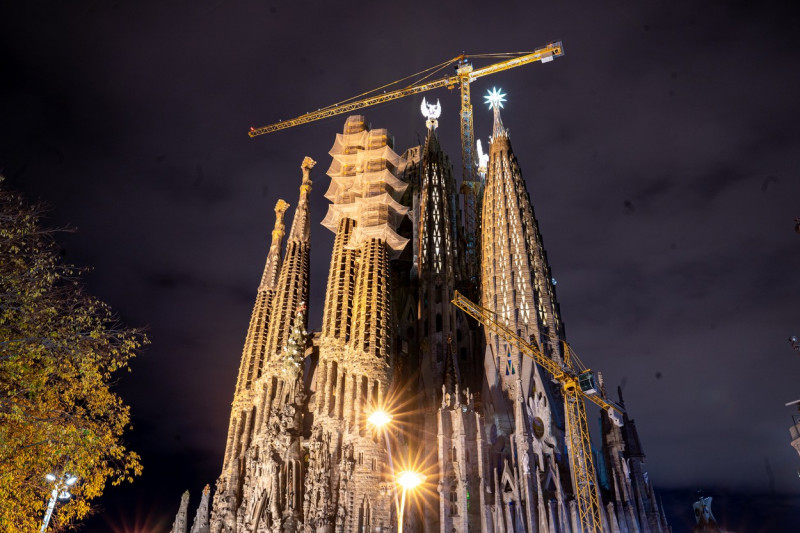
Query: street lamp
(409, 480)
(380, 419)
(60, 492)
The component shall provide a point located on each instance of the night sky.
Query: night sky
(661, 155)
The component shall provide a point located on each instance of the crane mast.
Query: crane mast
(577, 386)
(471, 188)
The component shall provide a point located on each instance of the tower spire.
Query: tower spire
(273, 266)
(180, 524)
(253, 352)
(300, 227)
(495, 99)
(200, 524)
(293, 281)
(431, 112)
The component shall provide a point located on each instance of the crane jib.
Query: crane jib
(544, 54)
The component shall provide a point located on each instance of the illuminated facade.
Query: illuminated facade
(482, 423)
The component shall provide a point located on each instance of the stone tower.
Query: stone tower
(261, 474)
(521, 413)
(632, 500)
(251, 367)
(349, 485)
(181, 519)
(445, 339)
(200, 524)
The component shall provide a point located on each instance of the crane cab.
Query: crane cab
(587, 383)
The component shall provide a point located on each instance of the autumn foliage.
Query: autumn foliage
(59, 350)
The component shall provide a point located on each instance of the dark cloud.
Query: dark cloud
(660, 155)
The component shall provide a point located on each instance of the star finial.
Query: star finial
(495, 98)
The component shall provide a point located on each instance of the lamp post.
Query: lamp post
(380, 419)
(409, 481)
(60, 492)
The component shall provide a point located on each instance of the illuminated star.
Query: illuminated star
(495, 98)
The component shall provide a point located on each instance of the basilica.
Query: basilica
(479, 423)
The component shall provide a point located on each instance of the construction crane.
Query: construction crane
(577, 385)
(464, 75)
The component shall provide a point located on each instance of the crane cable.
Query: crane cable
(428, 72)
(425, 74)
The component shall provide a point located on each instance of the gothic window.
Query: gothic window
(364, 393)
(364, 517)
(333, 390)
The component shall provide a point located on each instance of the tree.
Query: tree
(59, 349)
(295, 350)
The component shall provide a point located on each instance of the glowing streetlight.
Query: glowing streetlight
(60, 492)
(409, 480)
(380, 419)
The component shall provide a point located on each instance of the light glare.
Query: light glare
(379, 418)
(410, 480)
(495, 98)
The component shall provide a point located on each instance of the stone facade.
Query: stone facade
(484, 424)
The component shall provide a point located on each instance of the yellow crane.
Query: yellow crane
(577, 385)
(464, 75)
